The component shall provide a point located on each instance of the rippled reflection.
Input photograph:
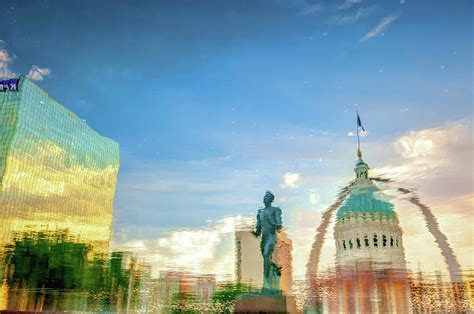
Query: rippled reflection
(51, 271)
(57, 187)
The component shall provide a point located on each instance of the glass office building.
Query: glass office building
(56, 173)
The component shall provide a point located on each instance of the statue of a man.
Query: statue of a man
(268, 224)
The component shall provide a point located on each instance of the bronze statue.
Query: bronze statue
(268, 224)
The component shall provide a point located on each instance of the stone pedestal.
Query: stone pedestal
(261, 303)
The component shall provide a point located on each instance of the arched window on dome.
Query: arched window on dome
(344, 244)
(375, 240)
(358, 243)
(350, 244)
(384, 240)
(366, 241)
(396, 241)
(391, 240)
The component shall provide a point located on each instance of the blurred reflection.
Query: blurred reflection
(48, 271)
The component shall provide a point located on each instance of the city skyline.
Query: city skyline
(227, 100)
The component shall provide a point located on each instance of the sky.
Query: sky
(215, 102)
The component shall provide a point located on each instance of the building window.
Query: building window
(391, 241)
(358, 243)
(375, 240)
(384, 240)
(397, 241)
(350, 244)
(366, 241)
(344, 244)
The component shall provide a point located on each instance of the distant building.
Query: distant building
(56, 173)
(249, 260)
(180, 291)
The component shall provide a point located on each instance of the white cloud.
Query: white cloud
(433, 154)
(354, 16)
(5, 61)
(437, 163)
(310, 9)
(361, 133)
(37, 74)
(198, 250)
(314, 198)
(291, 179)
(348, 4)
(384, 23)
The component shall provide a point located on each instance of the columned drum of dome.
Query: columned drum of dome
(56, 173)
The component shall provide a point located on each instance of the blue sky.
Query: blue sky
(213, 102)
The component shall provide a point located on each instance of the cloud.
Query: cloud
(427, 156)
(361, 133)
(198, 250)
(314, 197)
(437, 164)
(438, 161)
(353, 17)
(384, 23)
(291, 179)
(310, 9)
(348, 4)
(37, 74)
(5, 61)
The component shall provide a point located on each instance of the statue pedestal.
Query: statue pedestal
(261, 303)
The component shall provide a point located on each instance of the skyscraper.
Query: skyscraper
(249, 261)
(56, 173)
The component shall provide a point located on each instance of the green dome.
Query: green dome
(366, 200)
(365, 197)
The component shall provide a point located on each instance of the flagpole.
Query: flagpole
(359, 153)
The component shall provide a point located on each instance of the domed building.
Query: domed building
(367, 230)
(370, 260)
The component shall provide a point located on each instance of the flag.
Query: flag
(359, 123)
(9, 85)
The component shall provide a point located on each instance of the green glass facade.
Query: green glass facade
(56, 173)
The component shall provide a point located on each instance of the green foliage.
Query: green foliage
(224, 297)
(45, 261)
(184, 303)
(53, 266)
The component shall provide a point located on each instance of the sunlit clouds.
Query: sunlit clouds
(200, 250)
(5, 60)
(433, 154)
(36, 73)
(291, 179)
(426, 159)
